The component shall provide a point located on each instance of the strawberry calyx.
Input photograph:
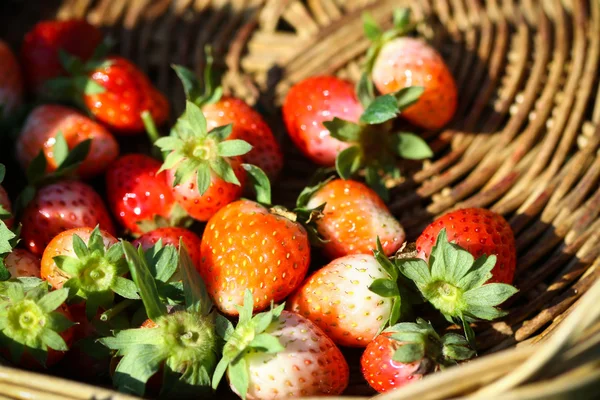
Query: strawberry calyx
(249, 336)
(455, 284)
(420, 342)
(8, 238)
(182, 342)
(201, 95)
(177, 217)
(194, 150)
(373, 32)
(96, 273)
(29, 321)
(374, 149)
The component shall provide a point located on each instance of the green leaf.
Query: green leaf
(233, 148)
(88, 86)
(114, 253)
(384, 288)
(407, 96)
(194, 289)
(37, 168)
(145, 282)
(132, 337)
(371, 28)
(414, 269)
(6, 237)
(260, 183)
(401, 17)
(345, 131)
(79, 247)
(136, 367)
(68, 264)
(365, 90)
(469, 334)
(239, 377)
(60, 149)
(59, 322)
(53, 340)
(437, 264)
(2, 172)
(375, 182)
(75, 156)
(385, 262)
(52, 300)
(266, 343)
(412, 147)
(194, 115)
(491, 294)
(219, 372)
(169, 143)
(165, 262)
(221, 133)
(245, 312)
(224, 170)
(456, 347)
(348, 162)
(191, 85)
(488, 313)
(396, 312)
(125, 288)
(409, 352)
(203, 178)
(70, 63)
(480, 272)
(223, 327)
(4, 273)
(96, 241)
(381, 109)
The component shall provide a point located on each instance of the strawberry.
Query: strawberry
(480, 232)
(395, 62)
(406, 352)
(332, 132)
(61, 206)
(21, 263)
(89, 262)
(247, 124)
(279, 354)
(34, 324)
(181, 342)
(5, 203)
(56, 130)
(454, 282)
(172, 236)
(353, 217)
(353, 298)
(42, 44)
(247, 246)
(310, 103)
(140, 197)
(203, 167)
(11, 81)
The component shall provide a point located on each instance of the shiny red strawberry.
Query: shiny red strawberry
(313, 101)
(61, 206)
(480, 232)
(171, 236)
(247, 124)
(395, 62)
(140, 198)
(42, 44)
(56, 130)
(11, 81)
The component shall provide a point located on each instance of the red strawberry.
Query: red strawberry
(406, 352)
(399, 62)
(42, 130)
(122, 92)
(5, 203)
(11, 81)
(35, 325)
(479, 231)
(171, 236)
(204, 168)
(310, 103)
(248, 125)
(61, 206)
(138, 195)
(344, 298)
(285, 356)
(353, 217)
(247, 246)
(21, 263)
(41, 45)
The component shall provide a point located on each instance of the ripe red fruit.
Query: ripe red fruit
(248, 125)
(61, 206)
(479, 231)
(127, 92)
(171, 236)
(21, 263)
(11, 81)
(46, 122)
(311, 102)
(246, 246)
(138, 195)
(6, 204)
(41, 45)
(353, 218)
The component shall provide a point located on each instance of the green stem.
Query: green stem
(116, 310)
(150, 126)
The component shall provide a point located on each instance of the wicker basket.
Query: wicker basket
(524, 143)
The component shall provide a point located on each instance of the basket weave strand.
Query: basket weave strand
(524, 143)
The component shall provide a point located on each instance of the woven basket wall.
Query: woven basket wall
(524, 142)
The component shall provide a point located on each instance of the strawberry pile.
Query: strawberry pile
(170, 272)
